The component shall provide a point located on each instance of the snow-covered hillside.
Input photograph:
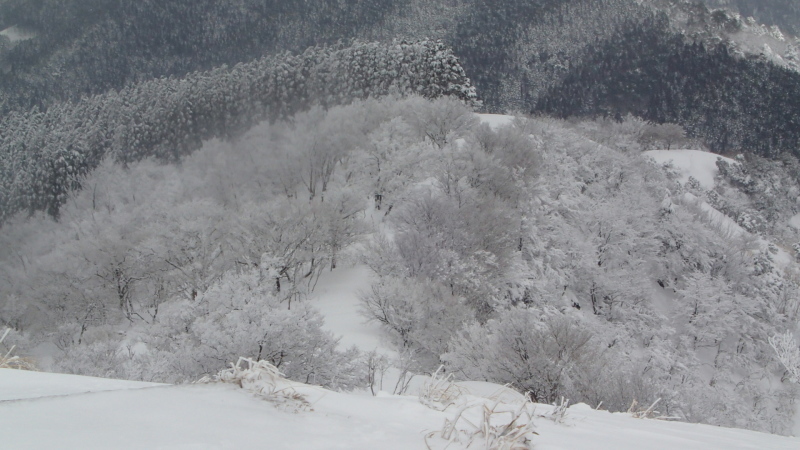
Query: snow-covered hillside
(492, 250)
(90, 413)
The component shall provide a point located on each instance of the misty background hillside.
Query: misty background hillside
(655, 60)
(594, 200)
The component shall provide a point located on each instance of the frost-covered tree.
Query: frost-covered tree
(420, 317)
(788, 353)
(536, 351)
(239, 315)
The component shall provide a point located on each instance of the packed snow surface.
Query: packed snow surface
(19, 384)
(691, 163)
(223, 416)
(337, 298)
(795, 221)
(496, 120)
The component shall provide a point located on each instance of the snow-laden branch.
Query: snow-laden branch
(788, 353)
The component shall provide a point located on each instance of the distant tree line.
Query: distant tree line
(44, 154)
(88, 47)
(733, 103)
(610, 58)
(565, 57)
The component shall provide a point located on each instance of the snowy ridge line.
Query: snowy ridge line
(222, 415)
(74, 394)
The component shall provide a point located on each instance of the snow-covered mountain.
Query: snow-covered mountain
(312, 185)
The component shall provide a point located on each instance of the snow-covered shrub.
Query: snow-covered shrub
(616, 382)
(241, 316)
(113, 358)
(419, 316)
(238, 315)
(788, 353)
(532, 350)
(103, 359)
(264, 380)
(552, 356)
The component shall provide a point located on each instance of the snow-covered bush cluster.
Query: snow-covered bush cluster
(544, 254)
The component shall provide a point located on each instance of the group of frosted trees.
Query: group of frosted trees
(213, 259)
(580, 269)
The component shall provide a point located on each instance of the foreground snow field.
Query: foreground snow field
(19, 384)
(91, 413)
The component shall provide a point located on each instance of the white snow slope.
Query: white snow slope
(128, 415)
(15, 34)
(496, 120)
(695, 163)
(336, 297)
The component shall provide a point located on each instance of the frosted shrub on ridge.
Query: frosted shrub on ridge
(264, 380)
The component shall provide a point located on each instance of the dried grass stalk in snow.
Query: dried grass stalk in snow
(559, 413)
(264, 380)
(440, 392)
(10, 361)
(492, 428)
(649, 413)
